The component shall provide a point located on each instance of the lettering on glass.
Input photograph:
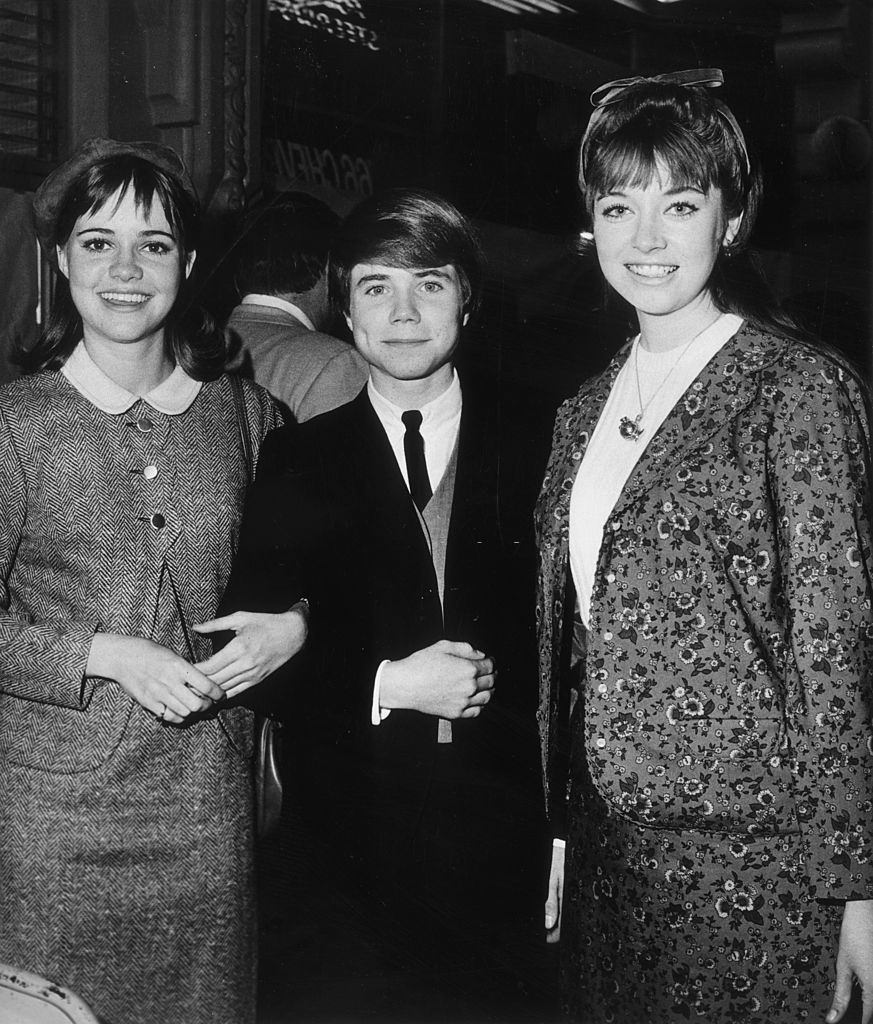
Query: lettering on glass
(341, 171)
(342, 19)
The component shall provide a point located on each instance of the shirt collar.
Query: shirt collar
(435, 414)
(172, 396)
(253, 299)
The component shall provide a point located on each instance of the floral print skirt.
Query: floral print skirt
(661, 926)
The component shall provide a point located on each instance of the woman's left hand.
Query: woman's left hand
(854, 960)
(263, 643)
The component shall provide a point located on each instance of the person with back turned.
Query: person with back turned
(281, 321)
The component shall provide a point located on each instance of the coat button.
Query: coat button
(158, 521)
(600, 742)
(150, 472)
(144, 425)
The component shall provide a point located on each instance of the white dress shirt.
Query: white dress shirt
(440, 421)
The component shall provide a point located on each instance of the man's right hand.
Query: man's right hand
(449, 679)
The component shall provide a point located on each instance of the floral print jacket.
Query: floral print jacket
(728, 666)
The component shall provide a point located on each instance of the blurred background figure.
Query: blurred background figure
(279, 324)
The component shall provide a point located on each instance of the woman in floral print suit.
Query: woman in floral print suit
(704, 610)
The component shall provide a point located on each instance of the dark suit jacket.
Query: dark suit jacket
(330, 518)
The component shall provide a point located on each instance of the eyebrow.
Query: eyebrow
(432, 272)
(675, 191)
(367, 278)
(142, 234)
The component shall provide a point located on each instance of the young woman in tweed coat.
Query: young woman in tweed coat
(125, 791)
(705, 570)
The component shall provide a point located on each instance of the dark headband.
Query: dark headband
(611, 92)
(52, 193)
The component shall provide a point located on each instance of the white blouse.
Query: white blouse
(662, 377)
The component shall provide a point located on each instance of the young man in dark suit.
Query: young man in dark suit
(404, 518)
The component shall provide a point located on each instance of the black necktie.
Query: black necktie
(416, 467)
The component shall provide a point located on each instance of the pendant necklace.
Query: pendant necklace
(630, 428)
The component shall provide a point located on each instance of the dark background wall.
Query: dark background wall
(483, 100)
(487, 105)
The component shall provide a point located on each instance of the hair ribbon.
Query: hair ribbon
(708, 78)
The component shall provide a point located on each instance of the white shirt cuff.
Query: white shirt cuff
(378, 714)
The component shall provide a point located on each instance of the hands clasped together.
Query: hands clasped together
(173, 689)
(449, 679)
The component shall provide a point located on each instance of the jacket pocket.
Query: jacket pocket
(729, 775)
(63, 740)
(237, 724)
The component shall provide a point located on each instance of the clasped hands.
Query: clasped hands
(450, 679)
(173, 689)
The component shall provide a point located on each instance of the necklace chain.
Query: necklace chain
(630, 429)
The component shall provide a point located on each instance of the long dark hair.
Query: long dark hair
(683, 128)
(189, 332)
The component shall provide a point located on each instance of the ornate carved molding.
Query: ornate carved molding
(230, 194)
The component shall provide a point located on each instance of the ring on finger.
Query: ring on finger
(162, 716)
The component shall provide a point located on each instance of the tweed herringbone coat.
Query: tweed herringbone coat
(125, 843)
(721, 779)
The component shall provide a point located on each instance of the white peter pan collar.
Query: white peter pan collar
(172, 396)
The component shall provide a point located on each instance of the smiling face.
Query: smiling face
(124, 269)
(406, 324)
(657, 245)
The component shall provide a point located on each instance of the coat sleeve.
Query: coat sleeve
(267, 574)
(289, 548)
(41, 660)
(820, 465)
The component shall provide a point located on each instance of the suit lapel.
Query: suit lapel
(476, 450)
(382, 492)
(574, 427)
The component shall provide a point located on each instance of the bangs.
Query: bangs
(636, 160)
(413, 243)
(407, 253)
(143, 193)
(118, 175)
